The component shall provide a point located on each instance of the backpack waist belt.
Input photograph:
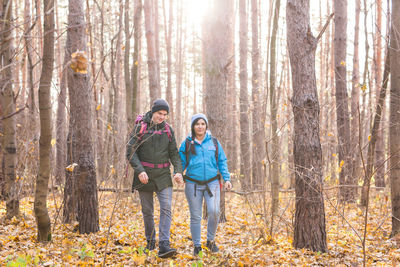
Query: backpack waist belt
(197, 182)
(155, 166)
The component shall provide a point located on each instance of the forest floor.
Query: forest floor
(244, 239)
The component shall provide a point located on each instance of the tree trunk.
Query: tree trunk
(168, 39)
(342, 110)
(395, 116)
(127, 77)
(40, 207)
(374, 136)
(274, 122)
(309, 225)
(154, 83)
(137, 35)
(179, 73)
(81, 122)
(8, 107)
(380, 144)
(258, 125)
(216, 61)
(245, 163)
(354, 118)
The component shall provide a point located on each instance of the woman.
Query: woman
(204, 160)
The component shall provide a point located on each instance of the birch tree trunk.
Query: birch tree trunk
(8, 108)
(309, 225)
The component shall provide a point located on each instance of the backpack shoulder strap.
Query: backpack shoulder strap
(168, 129)
(187, 152)
(143, 128)
(215, 141)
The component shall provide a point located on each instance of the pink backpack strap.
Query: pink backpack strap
(168, 131)
(143, 128)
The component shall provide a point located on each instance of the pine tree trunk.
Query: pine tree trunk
(81, 111)
(355, 96)
(394, 129)
(8, 107)
(40, 207)
(258, 125)
(168, 39)
(127, 77)
(245, 163)
(274, 122)
(154, 83)
(309, 226)
(342, 110)
(380, 144)
(137, 35)
(216, 49)
(179, 73)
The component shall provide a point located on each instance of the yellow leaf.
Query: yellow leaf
(98, 107)
(112, 169)
(342, 63)
(369, 137)
(136, 63)
(333, 155)
(363, 87)
(53, 142)
(109, 127)
(71, 167)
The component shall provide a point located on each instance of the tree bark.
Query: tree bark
(258, 125)
(374, 135)
(127, 76)
(395, 116)
(168, 39)
(8, 107)
(137, 35)
(216, 61)
(355, 96)
(81, 123)
(40, 206)
(245, 163)
(274, 122)
(342, 109)
(154, 83)
(309, 226)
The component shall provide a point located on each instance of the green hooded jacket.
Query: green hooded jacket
(155, 149)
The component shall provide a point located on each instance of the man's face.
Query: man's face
(159, 116)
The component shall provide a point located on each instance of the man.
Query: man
(150, 150)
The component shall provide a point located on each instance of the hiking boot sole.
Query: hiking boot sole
(168, 254)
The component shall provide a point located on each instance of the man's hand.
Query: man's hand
(144, 179)
(178, 178)
(228, 185)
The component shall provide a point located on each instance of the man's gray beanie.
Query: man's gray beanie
(160, 104)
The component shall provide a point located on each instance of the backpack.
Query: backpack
(189, 143)
(144, 130)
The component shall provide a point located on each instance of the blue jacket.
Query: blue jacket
(203, 165)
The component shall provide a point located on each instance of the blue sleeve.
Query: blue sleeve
(222, 163)
(182, 155)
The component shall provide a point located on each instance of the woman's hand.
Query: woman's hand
(228, 185)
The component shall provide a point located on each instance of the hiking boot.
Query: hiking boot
(197, 250)
(151, 245)
(211, 246)
(165, 251)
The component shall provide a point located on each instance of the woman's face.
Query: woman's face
(200, 127)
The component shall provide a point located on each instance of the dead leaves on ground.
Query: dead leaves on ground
(243, 240)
